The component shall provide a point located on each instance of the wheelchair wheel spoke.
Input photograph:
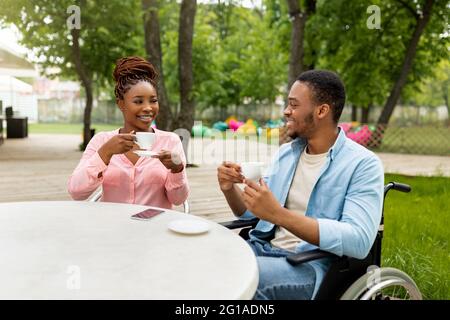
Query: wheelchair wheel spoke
(394, 293)
(406, 295)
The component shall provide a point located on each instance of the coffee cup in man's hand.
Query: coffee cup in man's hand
(252, 170)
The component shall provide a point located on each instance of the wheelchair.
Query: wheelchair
(349, 278)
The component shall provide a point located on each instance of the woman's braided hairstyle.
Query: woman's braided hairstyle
(131, 70)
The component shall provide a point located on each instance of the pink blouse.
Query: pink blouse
(147, 182)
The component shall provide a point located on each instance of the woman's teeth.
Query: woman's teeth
(145, 118)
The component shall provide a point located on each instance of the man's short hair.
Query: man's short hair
(326, 87)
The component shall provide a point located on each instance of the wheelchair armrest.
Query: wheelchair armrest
(306, 256)
(237, 224)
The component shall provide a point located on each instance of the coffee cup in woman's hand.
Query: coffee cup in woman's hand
(145, 140)
(118, 144)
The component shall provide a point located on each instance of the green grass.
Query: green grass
(68, 128)
(417, 233)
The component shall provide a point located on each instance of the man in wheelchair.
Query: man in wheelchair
(322, 190)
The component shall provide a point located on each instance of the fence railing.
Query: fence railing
(412, 140)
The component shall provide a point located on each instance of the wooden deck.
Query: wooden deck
(37, 169)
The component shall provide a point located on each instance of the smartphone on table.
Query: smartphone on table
(147, 214)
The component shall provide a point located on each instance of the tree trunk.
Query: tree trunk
(298, 19)
(445, 96)
(354, 116)
(154, 55)
(310, 10)
(185, 119)
(407, 64)
(365, 112)
(86, 82)
(389, 106)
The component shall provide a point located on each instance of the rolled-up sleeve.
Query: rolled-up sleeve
(85, 178)
(177, 187)
(354, 233)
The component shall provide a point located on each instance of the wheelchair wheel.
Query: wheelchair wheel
(383, 284)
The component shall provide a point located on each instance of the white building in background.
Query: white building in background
(19, 95)
(33, 96)
(58, 101)
(13, 91)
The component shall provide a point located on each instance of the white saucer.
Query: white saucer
(188, 226)
(145, 153)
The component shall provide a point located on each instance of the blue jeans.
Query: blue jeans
(277, 278)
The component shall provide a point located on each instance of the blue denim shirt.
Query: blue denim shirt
(346, 199)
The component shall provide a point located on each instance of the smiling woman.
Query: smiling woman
(111, 158)
(135, 93)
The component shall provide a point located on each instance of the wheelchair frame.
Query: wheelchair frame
(343, 271)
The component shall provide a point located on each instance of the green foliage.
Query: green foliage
(240, 55)
(369, 60)
(110, 29)
(432, 90)
(237, 57)
(433, 49)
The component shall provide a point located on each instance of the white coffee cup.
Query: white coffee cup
(145, 140)
(252, 170)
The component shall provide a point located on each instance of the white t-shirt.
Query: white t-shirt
(306, 174)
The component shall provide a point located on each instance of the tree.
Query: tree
(169, 118)
(154, 55)
(232, 65)
(185, 118)
(298, 18)
(422, 17)
(344, 44)
(85, 52)
(86, 80)
(371, 60)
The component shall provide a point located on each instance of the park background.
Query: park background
(222, 61)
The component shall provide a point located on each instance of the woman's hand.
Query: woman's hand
(228, 174)
(120, 143)
(171, 161)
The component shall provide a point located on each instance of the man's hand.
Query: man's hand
(120, 143)
(263, 204)
(261, 201)
(229, 173)
(171, 161)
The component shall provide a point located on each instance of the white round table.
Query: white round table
(94, 250)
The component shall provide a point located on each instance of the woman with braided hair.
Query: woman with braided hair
(109, 159)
